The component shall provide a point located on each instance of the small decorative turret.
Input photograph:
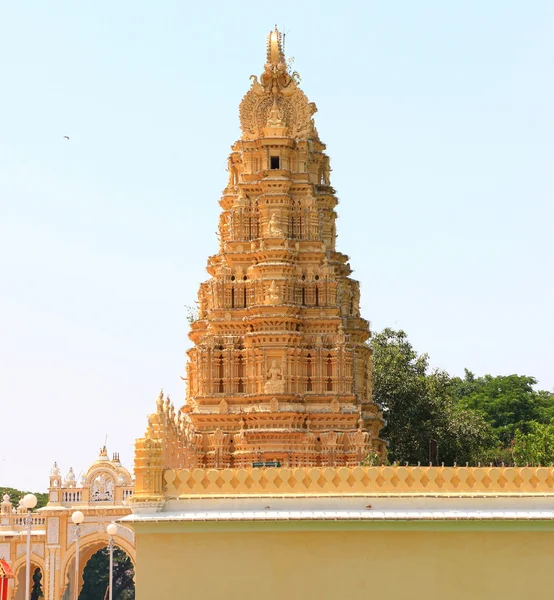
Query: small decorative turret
(70, 479)
(6, 507)
(55, 476)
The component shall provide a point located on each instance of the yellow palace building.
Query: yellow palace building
(256, 487)
(102, 494)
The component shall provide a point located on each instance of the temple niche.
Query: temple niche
(280, 368)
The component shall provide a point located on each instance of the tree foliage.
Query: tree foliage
(509, 403)
(96, 574)
(36, 591)
(420, 406)
(16, 495)
(535, 447)
(472, 419)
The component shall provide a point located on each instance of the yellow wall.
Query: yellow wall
(400, 565)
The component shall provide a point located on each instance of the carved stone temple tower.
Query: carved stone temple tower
(280, 370)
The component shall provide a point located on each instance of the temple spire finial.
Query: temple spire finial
(275, 54)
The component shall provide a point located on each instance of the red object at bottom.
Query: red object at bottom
(5, 574)
(3, 588)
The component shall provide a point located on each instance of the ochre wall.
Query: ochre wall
(401, 565)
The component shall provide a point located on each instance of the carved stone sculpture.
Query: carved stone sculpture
(275, 381)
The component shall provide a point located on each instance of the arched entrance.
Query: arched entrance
(36, 583)
(94, 573)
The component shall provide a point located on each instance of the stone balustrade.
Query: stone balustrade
(18, 521)
(357, 481)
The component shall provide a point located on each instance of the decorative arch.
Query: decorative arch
(89, 544)
(18, 568)
(21, 561)
(93, 473)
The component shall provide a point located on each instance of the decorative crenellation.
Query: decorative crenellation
(358, 480)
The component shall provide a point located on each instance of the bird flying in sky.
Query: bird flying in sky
(66, 137)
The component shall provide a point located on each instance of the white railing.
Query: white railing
(18, 520)
(127, 493)
(72, 496)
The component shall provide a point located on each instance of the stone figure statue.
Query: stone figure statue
(275, 380)
(273, 296)
(274, 227)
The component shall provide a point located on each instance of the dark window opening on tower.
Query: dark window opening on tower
(274, 162)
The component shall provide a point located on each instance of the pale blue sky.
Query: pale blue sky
(439, 120)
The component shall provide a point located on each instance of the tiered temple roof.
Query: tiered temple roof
(280, 369)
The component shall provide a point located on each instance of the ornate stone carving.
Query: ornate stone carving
(329, 438)
(274, 227)
(359, 438)
(102, 489)
(53, 530)
(275, 382)
(273, 296)
(223, 407)
(219, 436)
(276, 101)
(274, 405)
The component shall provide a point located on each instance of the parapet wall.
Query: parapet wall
(353, 480)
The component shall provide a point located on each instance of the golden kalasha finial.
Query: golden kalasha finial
(275, 53)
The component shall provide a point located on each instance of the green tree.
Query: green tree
(96, 573)
(420, 406)
(535, 447)
(36, 591)
(15, 495)
(509, 403)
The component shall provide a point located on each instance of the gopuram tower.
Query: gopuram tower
(280, 371)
